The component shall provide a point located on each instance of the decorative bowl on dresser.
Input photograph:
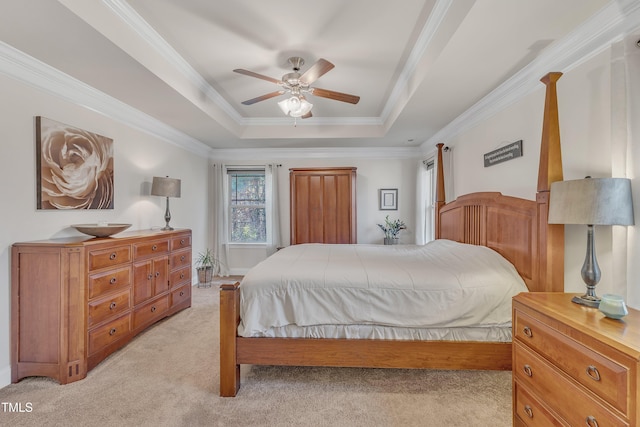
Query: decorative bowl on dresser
(76, 300)
(572, 366)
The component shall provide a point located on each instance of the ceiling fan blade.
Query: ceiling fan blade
(263, 97)
(321, 67)
(256, 75)
(306, 116)
(338, 96)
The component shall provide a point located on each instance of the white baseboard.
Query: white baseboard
(5, 376)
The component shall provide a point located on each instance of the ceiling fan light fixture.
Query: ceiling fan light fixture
(295, 106)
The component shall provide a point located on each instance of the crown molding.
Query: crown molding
(607, 26)
(265, 154)
(128, 14)
(36, 74)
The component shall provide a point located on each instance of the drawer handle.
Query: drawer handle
(112, 305)
(593, 372)
(150, 276)
(527, 331)
(113, 280)
(154, 247)
(182, 275)
(112, 331)
(527, 370)
(182, 241)
(591, 421)
(181, 293)
(112, 256)
(153, 309)
(157, 273)
(528, 411)
(182, 258)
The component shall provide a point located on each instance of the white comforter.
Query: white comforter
(440, 284)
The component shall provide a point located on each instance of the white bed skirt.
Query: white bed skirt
(486, 334)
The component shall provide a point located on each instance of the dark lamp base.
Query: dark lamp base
(589, 301)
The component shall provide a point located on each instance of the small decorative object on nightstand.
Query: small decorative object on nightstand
(613, 306)
(572, 366)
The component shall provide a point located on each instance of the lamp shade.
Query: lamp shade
(165, 186)
(595, 201)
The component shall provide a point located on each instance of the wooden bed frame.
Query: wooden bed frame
(516, 228)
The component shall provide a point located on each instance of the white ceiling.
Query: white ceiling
(418, 65)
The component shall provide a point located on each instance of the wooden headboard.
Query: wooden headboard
(516, 228)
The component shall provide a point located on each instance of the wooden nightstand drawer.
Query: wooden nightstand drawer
(537, 374)
(109, 281)
(111, 332)
(606, 378)
(146, 249)
(531, 410)
(103, 309)
(110, 257)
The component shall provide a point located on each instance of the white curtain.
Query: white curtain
(220, 219)
(423, 201)
(274, 236)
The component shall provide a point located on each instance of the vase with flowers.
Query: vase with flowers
(391, 230)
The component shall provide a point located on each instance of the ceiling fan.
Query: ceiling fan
(297, 85)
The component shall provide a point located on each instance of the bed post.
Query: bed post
(229, 320)
(551, 236)
(440, 196)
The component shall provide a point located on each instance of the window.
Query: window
(247, 206)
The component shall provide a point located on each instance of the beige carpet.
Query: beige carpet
(168, 376)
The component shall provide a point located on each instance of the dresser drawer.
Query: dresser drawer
(181, 294)
(109, 333)
(109, 281)
(180, 259)
(150, 312)
(180, 242)
(531, 411)
(100, 310)
(537, 374)
(606, 378)
(146, 249)
(110, 257)
(180, 276)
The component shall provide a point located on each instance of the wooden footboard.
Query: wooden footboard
(235, 350)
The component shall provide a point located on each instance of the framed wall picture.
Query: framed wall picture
(74, 167)
(388, 199)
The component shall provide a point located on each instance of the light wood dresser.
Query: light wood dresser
(74, 301)
(572, 366)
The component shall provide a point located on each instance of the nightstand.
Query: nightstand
(572, 366)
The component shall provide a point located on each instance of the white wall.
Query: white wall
(372, 175)
(137, 158)
(585, 113)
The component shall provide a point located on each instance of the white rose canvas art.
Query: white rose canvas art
(74, 167)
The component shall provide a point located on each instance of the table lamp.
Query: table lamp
(591, 201)
(166, 187)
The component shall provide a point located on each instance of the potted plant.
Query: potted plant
(391, 230)
(205, 266)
